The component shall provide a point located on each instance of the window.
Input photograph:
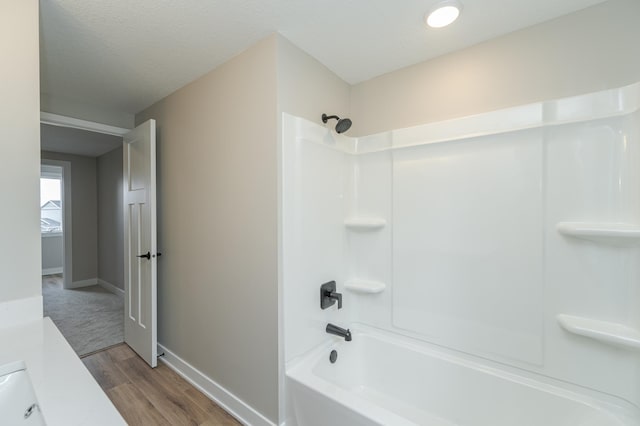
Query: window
(51, 200)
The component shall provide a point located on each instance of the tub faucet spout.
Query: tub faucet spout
(339, 331)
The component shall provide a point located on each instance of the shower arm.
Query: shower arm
(326, 117)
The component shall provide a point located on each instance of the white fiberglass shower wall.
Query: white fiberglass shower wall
(509, 241)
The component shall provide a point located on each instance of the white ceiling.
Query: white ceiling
(125, 55)
(75, 141)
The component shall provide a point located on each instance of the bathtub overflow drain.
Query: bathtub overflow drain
(29, 411)
(333, 356)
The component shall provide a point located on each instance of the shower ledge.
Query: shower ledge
(603, 331)
(364, 286)
(601, 232)
(365, 223)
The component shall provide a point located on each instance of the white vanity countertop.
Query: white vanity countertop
(67, 393)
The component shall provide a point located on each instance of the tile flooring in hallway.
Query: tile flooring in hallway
(147, 396)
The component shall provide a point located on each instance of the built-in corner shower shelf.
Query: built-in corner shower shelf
(606, 332)
(599, 232)
(365, 286)
(365, 223)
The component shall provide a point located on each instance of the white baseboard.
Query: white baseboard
(239, 409)
(84, 283)
(110, 287)
(51, 271)
(20, 311)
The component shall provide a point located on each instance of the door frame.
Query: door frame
(74, 123)
(67, 248)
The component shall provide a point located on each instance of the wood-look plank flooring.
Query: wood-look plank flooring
(152, 396)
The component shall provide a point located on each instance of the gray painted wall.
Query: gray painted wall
(218, 192)
(72, 108)
(52, 249)
(590, 50)
(306, 87)
(20, 135)
(84, 212)
(68, 140)
(110, 218)
(217, 225)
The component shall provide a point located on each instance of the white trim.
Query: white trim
(51, 271)
(50, 234)
(282, 395)
(20, 311)
(84, 283)
(239, 409)
(67, 228)
(110, 287)
(76, 123)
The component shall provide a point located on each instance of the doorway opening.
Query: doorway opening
(119, 247)
(81, 240)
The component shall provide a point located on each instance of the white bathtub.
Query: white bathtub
(383, 379)
(18, 403)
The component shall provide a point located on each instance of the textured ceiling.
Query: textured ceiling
(126, 54)
(75, 141)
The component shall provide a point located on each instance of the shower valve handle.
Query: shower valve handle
(328, 295)
(336, 296)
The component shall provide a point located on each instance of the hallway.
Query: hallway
(90, 318)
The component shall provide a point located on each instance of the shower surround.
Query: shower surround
(490, 262)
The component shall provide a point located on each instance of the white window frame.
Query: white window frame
(67, 230)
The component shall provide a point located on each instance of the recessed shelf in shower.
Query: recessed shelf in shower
(364, 286)
(607, 332)
(602, 232)
(365, 223)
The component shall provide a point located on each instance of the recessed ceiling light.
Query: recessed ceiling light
(443, 13)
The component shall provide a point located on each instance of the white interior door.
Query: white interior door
(140, 252)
